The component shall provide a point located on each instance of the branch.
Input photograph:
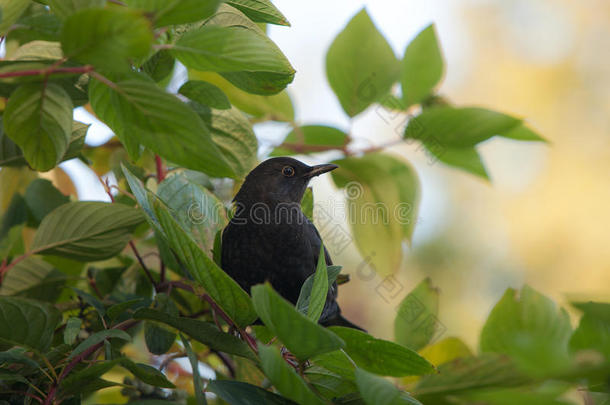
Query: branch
(49, 71)
(107, 187)
(216, 308)
(74, 362)
(160, 171)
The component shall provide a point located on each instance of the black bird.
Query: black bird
(270, 239)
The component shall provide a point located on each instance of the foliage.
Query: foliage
(84, 283)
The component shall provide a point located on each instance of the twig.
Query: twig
(27, 394)
(215, 307)
(49, 71)
(107, 187)
(74, 362)
(228, 362)
(171, 358)
(105, 80)
(141, 261)
(245, 335)
(160, 171)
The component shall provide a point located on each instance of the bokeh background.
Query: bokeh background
(545, 217)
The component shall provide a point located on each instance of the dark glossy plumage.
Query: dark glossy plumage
(270, 239)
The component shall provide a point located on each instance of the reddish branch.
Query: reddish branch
(49, 71)
(216, 308)
(160, 171)
(132, 245)
(74, 362)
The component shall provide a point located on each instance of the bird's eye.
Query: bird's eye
(288, 171)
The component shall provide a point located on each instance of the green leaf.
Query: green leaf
(10, 11)
(203, 332)
(86, 230)
(383, 195)
(27, 323)
(307, 204)
(139, 111)
(205, 93)
(462, 127)
(241, 393)
(319, 290)
(303, 337)
(529, 328)
(98, 337)
(17, 355)
(233, 134)
(284, 378)
(381, 356)
(146, 373)
(143, 196)
(176, 11)
(157, 337)
(522, 133)
(416, 320)
(197, 383)
(465, 374)
(593, 332)
(91, 300)
(311, 135)
(338, 362)
(379, 391)
(600, 310)
(509, 396)
(360, 65)
(12, 244)
(77, 140)
(219, 285)
(277, 107)
(65, 8)
(37, 23)
(42, 197)
(160, 65)
(39, 50)
(260, 11)
(72, 330)
(106, 38)
(118, 309)
(230, 49)
(445, 350)
(12, 155)
(422, 67)
(86, 380)
(198, 211)
(38, 118)
(261, 83)
(465, 158)
(34, 278)
(330, 385)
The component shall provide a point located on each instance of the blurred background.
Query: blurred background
(544, 218)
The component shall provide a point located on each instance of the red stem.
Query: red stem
(141, 261)
(245, 335)
(74, 362)
(49, 71)
(160, 171)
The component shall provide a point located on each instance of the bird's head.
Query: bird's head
(279, 179)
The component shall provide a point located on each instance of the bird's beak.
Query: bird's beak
(320, 169)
